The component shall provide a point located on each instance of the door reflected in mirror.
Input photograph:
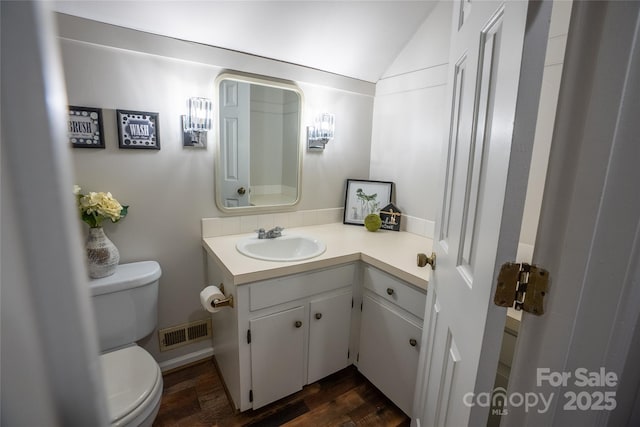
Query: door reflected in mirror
(259, 144)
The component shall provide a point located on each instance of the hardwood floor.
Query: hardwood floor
(195, 396)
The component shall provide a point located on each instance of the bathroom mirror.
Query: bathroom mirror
(258, 144)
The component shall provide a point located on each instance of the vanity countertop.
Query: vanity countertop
(390, 251)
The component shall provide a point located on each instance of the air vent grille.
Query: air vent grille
(175, 337)
(187, 333)
(197, 331)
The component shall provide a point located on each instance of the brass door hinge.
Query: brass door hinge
(522, 286)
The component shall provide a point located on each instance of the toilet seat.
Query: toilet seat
(133, 384)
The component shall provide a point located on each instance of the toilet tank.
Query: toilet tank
(126, 304)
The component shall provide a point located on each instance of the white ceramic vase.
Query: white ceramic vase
(102, 254)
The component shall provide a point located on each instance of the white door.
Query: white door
(329, 333)
(277, 355)
(462, 331)
(589, 236)
(235, 99)
(50, 367)
(388, 357)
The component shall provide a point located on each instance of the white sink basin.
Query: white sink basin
(285, 248)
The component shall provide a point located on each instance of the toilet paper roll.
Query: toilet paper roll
(208, 295)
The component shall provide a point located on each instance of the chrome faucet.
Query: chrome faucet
(271, 234)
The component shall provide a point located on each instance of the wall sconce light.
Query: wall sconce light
(197, 122)
(321, 132)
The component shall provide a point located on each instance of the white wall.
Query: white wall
(170, 190)
(554, 60)
(397, 136)
(408, 120)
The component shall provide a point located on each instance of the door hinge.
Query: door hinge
(250, 395)
(351, 302)
(360, 306)
(248, 336)
(522, 286)
(358, 357)
(348, 353)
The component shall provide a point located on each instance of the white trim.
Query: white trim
(225, 226)
(186, 359)
(88, 31)
(419, 226)
(416, 80)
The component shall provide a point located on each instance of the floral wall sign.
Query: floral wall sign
(138, 129)
(365, 197)
(85, 127)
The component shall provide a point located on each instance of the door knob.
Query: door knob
(298, 323)
(241, 191)
(318, 316)
(423, 260)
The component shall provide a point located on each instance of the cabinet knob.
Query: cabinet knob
(241, 191)
(318, 316)
(298, 323)
(413, 342)
(390, 291)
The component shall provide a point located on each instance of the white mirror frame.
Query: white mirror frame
(264, 81)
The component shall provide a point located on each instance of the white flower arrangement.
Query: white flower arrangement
(96, 207)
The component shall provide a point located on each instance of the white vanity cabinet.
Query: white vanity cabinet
(283, 333)
(278, 350)
(390, 332)
(289, 331)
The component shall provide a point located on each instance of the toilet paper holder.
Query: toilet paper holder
(227, 302)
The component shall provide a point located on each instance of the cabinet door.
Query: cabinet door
(329, 332)
(389, 349)
(277, 344)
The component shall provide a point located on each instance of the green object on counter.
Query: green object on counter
(372, 222)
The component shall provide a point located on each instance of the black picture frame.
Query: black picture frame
(363, 197)
(138, 130)
(85, 127)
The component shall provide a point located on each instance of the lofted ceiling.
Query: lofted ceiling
(358, 39)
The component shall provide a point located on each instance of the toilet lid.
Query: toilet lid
(130, 375)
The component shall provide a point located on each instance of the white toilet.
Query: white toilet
(126, 311)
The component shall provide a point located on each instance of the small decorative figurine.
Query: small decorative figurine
(390, 216)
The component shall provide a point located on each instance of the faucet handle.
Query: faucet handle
(261, 233)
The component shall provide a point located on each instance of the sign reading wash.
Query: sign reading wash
(137, 129)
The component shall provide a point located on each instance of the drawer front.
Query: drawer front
(396, 291)
(284, 289)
